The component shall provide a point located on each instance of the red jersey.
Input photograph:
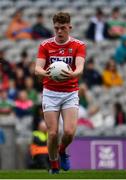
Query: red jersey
(52, 51)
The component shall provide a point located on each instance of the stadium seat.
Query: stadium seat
(80, 4)
(107, 10)
(3, 19)
(24, 129)
(61, 4)
(71, 10)
(123, 11)
(26, 43)
(122, 99)
(119, 3)
(97, 91)
(6, 44)
(92, 133)
(120, 130)
(80, 131)
(48, 13)
(109, 132)
(30, 11)
(99, 3)
(5, 4)
(87, 12)
(43, 4)
(23, 4)
(13, 54)
(82, 28)
(10, 11)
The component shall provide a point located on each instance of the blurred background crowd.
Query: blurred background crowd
(102, 26)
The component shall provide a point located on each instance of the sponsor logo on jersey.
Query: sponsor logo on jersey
(61, 51)
(66, 59)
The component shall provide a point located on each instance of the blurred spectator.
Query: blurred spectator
(12, 91)
(39, 30)
(31, 68)
(111, 76)
(24, 62)
(98, 119)
(2, 142)
(23, 105)
(38, 84)
(116, 24)
(96, 116)
(5, 72)
(4, 79)
(85, 97)
(5, 105)
(38, 147)
(6, 66)
(98, 29)
(83, 119)
(39, 150)
(32, 93)
(19, 78)
(2, 137)
(37, 80)
(38, 116)
(120, 116)
(120, 53)
(82, 113)
(18, 28)
(91, 76)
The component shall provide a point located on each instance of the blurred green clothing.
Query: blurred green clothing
(6, 107)
(5, 104)
(117, 26)
(83, 102)
(42, 137)
(32, 94)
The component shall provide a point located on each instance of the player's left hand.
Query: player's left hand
(67, 74)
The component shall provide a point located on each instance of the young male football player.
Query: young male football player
(60, 97)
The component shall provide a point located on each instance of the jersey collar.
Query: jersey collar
(62, 43)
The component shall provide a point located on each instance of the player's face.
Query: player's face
(62, 32)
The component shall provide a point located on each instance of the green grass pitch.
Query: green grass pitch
(81, 174)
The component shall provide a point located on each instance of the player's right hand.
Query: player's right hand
(47, 72)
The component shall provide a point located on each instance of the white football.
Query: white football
(56, 69)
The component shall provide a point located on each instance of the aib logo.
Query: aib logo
(106, 154)
(106, 157)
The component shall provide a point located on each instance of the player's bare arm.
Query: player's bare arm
(39, 68)
(79, 62)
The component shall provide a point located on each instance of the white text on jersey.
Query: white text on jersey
(66, 59)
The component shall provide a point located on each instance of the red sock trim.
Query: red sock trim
(54, 164)
(62, 148)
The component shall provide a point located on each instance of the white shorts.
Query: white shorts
(55, 101)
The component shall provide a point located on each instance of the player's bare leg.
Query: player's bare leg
(70, 116)
(51, 119)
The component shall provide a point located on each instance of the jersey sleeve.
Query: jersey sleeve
(41, 52)
(81, 51)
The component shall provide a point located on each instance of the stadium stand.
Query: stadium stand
(81, 11)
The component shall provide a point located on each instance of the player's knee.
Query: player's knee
(53, 134)
(69, 133)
